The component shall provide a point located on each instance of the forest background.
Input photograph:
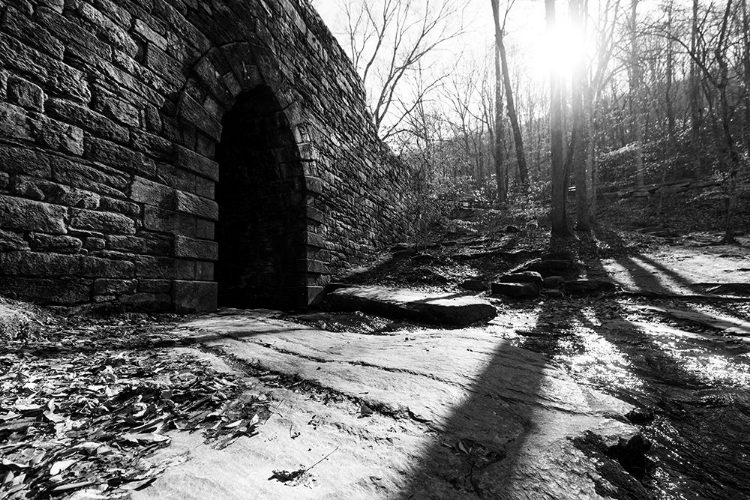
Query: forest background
(526, 104)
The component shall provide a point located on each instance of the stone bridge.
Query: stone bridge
(176, 154)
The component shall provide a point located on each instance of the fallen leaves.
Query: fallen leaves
(82, 410)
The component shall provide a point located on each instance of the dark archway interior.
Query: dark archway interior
(261, 198)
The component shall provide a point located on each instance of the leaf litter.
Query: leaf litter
(84, 404)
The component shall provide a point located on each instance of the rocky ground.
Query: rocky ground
(620, 370)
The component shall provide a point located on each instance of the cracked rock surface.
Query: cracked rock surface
(414, 414)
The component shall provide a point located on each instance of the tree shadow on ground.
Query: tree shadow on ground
(508, 438)
(701, 447)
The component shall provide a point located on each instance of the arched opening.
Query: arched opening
(261, 196)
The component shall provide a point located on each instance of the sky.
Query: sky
(525, 31)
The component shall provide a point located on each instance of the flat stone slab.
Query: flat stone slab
(444, 308)
(408, 415)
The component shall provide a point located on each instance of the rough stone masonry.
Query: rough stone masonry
(176, 154)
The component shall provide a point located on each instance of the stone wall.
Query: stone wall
(111, 114)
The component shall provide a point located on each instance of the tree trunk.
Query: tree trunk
(558, 215)
(670, 78)
(636, 104)
(695, 98)
(502, 193)
(580, 142)
(746, 67)
(513, 115)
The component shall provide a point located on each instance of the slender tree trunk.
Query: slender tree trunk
(670, 78)
(523, 171)
(746, 67)
(695, 96)
(502, 192)
(580, 139)
(636, 105)
(557, 153)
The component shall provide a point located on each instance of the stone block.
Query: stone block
(3, 85)
(59, 78)
(52, 192)
(96, 267)
(184, 269)
(205, 229)
(110, 286)
(104, 28)
(116, 13)
(154, 286)
(49, 243)
(192, 112)
(152, 119)
(194, 296)
(38, 264)
(168, 221)
(49, 291)
(117, 109)
(118, 156)
(142, 244)
(152, 145)
(106, 222)
(204, 271)
(147, 301)
(522, 277)
(56, 135)
(189, 160)
(12, 241)
(312, 266)
(177, 178)
(18, 213)
(210, 78)
(25, 94)
(205, 188)
(15, 123)
(516, 290)
(77, 38)
(87, 119)
(17, 160)
(154, 267)
(23, 28)
(97, 178)
(94, 244)
(120, 206)
(148, 34)
(192, 204)
(164, 65)
(197, 249)
(152, 193)
(314, 240)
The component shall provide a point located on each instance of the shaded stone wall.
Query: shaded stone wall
(111, 114)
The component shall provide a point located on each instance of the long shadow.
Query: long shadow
(700, 444)
(699, 433)
(503, 441)
(675, 276)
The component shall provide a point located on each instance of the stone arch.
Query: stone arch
(262, 206)
(263, 152)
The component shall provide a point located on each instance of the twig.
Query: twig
(316, 463)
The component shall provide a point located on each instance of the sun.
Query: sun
(558, 52)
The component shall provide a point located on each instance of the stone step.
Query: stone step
(443, 308)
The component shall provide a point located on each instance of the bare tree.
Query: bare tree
(502, 191)
(505, 75)
(388, 39)
(558, 215)
(636, 96)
